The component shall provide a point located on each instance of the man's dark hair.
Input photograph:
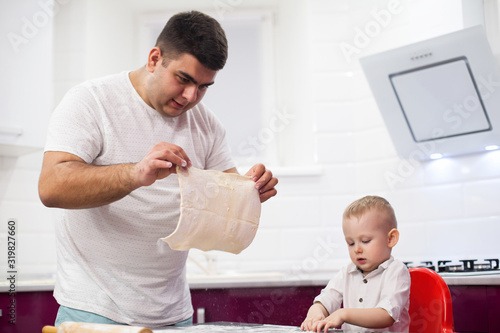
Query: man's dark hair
(197, 34)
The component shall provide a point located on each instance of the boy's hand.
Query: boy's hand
(315, 314)
(309, 322)
(370, 317)
(332, 321)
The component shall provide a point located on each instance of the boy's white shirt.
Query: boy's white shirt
(386, 287)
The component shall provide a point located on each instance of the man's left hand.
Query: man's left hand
(264, 181)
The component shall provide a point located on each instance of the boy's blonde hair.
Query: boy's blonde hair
(361, 206)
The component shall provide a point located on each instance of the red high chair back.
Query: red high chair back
(430, 303)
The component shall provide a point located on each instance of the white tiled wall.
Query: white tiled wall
(35, 247)
(447, 209)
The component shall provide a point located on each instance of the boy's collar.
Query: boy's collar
(353, 268)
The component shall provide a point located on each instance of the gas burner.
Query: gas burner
(465, 266)
(468, 265)
(426, 264)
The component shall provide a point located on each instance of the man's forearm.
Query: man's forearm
(67, 181)
(75, 184)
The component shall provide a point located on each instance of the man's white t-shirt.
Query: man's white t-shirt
(387, 287)
(111, 260)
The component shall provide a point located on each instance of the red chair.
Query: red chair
(430, 303)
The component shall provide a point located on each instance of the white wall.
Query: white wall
(25, 104)
(447, 209)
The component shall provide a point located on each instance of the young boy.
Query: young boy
(374, 288)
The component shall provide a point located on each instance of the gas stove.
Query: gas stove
(461, 267)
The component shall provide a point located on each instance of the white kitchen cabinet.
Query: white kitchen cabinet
(26, 67)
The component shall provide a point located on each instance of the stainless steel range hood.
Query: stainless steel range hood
(440, 96)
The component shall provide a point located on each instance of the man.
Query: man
(112, 145)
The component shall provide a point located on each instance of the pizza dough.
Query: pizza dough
(219, 211)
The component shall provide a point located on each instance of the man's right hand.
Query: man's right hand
(159, 163)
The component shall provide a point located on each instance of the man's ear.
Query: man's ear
(153, 59)
(393, 237)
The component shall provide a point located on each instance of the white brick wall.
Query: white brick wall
(447, 209)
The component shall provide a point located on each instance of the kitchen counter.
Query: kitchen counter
(472, 279)
(257, 280)
(263, 298)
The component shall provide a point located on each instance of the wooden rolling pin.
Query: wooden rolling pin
(73, 327)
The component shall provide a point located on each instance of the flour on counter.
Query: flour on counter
(250, 328)
(239, 327)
